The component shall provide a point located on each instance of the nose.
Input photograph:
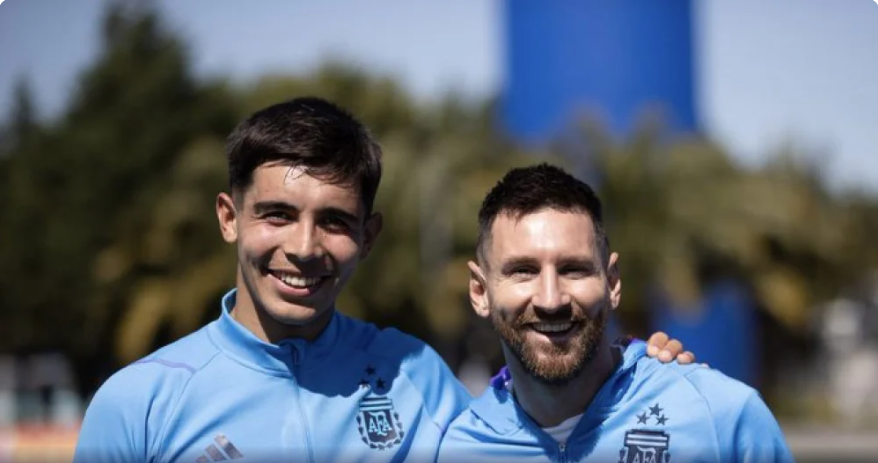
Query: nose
(303, 242)
(550, 295)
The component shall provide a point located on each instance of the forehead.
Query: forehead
(280, 182)
(547, 233)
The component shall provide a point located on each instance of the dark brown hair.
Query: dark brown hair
(323, 138)
(525, 190)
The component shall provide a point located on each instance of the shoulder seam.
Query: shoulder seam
(685, 377)
(366, 346)
(167, 363)
(176, 406)
(423, 401)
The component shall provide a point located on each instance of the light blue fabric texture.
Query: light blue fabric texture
(645, 413)
(355, 394)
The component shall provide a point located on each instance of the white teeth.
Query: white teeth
(552, 327)
(297, 282)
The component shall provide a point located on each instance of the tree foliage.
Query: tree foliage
(111, 247)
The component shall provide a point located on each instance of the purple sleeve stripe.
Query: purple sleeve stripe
(167, 364)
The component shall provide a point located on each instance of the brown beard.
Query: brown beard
(562, 361)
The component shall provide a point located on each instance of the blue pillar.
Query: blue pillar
(614, 59)
(720, 328)
(611, 56)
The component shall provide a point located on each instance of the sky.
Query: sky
(768, 73)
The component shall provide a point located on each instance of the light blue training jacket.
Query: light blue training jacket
(646, 412)
(355, 394)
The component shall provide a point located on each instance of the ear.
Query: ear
(227, 214)
(614, 280)
(478, 294)
(374, 224)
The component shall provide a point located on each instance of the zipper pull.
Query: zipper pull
(295, 351)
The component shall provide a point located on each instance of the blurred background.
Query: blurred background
(732, 142)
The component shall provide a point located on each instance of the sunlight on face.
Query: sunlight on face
(548, 291)
(299, 241)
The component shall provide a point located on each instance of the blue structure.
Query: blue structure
(720, 329)
(607, 56)
(615, 60)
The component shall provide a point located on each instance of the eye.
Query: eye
(523, 271)
(277, 217)
(576, 271)
(335, 224)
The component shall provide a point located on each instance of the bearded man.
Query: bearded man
(546, 279)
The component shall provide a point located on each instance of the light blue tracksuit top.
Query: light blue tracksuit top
(355, 394)
(645, 413)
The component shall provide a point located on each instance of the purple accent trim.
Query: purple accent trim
(499, 380)
(167, 363)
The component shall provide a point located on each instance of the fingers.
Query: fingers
(656, 343)
(672, 349)
(666, 350)
(686, 358)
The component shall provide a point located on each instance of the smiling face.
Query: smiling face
(547, 290)
(299, 240)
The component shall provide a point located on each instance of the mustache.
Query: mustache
(567, 314)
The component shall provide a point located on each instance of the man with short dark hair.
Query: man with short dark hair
(281, 375)
(547, 281)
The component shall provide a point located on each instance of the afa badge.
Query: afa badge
(642, 446)
(647, 445)
(377, 421)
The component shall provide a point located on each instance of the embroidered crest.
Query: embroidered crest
(377, 421)
(647, 445)
(643, 446)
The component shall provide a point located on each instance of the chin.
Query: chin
(556, 371)
(299, 316)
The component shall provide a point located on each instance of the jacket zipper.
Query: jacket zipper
(304, 419)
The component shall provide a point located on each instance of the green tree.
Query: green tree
(111, 246)
(91, 188)
(683, 214)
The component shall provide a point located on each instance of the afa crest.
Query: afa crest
(378, 423)
(647, 445)
(642, 446)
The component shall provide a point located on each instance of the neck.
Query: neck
(549, 405)
(257, 320)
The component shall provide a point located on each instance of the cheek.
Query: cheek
(257, 240)
(516, 294)
(590, 295)
(343, 249)
(511, 299)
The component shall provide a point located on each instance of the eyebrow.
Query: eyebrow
(334, 211)
(267, 206)
(513, 262)
(586, 262)
(509, 264)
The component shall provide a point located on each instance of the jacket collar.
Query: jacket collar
(498, 408)
(281, 358)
